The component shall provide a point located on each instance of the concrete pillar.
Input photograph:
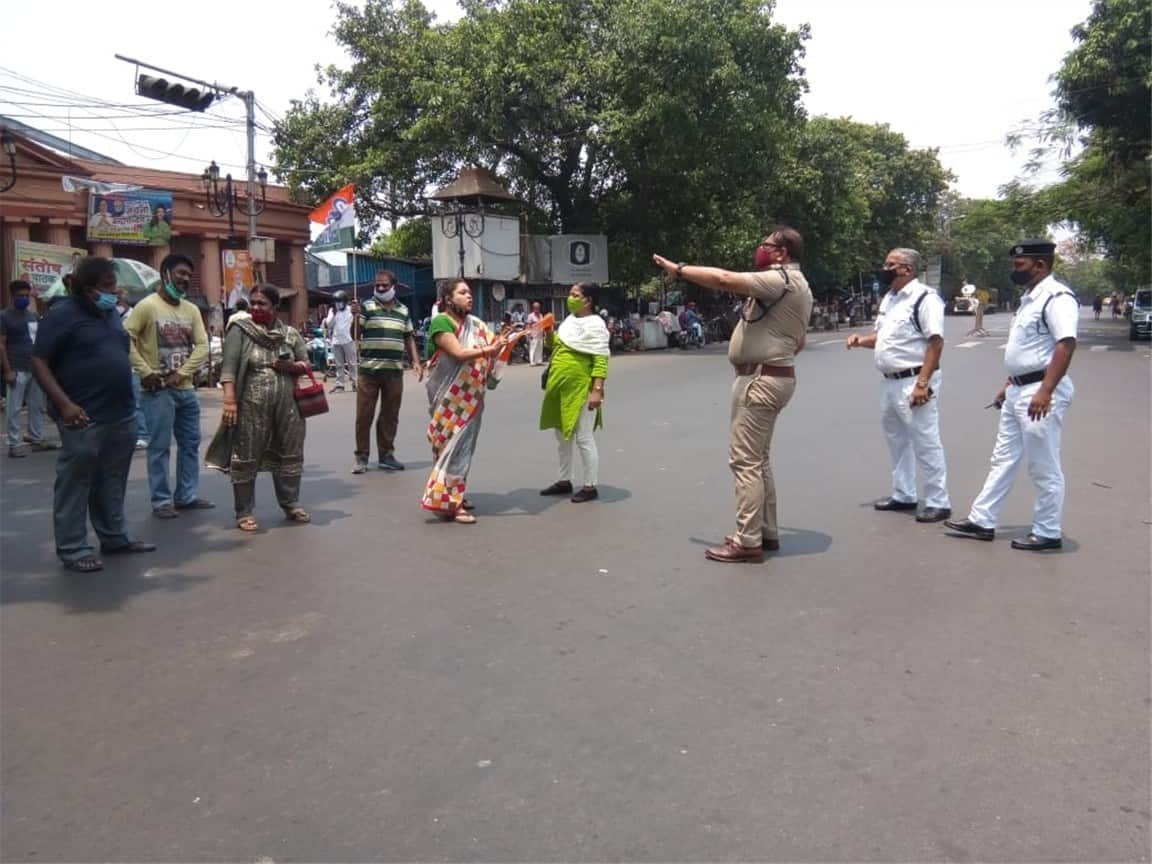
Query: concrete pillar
(209, 267)
(12, 231)
(59, 235)
(298, 279)
(159, 253)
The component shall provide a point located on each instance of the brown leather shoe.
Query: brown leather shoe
(733, 553)
(765, 544)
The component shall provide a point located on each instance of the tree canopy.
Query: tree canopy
(1104, 115)
(670, 125)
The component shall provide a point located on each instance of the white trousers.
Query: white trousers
(535, 350)
(1038, 441)
(579, 458)
(344, 356)
(913, 436)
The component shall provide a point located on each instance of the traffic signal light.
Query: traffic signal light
(174, 93)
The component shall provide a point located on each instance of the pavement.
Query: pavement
(566, 682)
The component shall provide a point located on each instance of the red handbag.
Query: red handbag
(310, 398)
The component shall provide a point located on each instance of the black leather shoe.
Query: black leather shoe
(933, 514)
(1036, 543)
(588, 493)
(893, 504)
(969, 528)
(560, 487)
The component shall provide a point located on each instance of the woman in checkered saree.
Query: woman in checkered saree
(465, 352)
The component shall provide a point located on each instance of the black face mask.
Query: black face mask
(1021, 277)
(887, 277)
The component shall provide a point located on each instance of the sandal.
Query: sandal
(247, 523)
(467, 505)
(84, 565)
(464, 518)
(297, 514)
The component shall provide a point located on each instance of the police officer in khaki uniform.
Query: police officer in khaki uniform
(771, 331)
(1032, 403)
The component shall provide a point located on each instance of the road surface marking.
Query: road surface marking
(1099, 347)
(968, 344)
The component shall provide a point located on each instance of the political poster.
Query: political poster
(141, 218)
(334, 221)
(41, 264)
(238, 280)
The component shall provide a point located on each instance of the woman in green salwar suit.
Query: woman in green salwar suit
(261, 428)
(574, 394)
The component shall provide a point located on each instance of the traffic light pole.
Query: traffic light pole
(250, 109)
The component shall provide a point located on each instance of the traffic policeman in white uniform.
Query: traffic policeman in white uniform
(1032, 403)
(908, 340)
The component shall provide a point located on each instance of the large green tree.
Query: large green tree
(858, 190)
(1102, 125)
(669, 125)
(648, 119)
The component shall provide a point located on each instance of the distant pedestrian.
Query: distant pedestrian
(18, 326)
(1033, 402)
(169, 344)
(260, 427)
(908, 341)
(1097, 306)
(386, 333)
(81, 361)
(339, 327)
(535, 336)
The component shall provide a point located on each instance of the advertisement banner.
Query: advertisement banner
(334, 221)
(41, 264)
(238, 279)
(133, 218)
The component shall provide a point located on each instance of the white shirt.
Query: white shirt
(339, 324)
(899, 345)
(1030, 342)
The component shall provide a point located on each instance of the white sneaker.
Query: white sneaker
(141, 444)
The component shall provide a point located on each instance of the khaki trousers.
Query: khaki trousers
(388, 390)
(756, 402)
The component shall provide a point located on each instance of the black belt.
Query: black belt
(1028, 378)
(904, 373)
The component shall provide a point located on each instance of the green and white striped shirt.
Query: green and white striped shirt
(383, 333)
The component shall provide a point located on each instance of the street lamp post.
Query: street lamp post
(8, 145)
(225, 200)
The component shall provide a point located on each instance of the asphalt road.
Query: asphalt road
(567, 682)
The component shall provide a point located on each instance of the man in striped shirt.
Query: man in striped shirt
(385, 333)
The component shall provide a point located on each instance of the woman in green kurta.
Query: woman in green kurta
(574, 394)
(158, 232)
(261, 429)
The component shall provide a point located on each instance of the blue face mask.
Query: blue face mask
(21, 302)
(106, 302)
(173, 292)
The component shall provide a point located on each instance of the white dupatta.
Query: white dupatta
(588, 335)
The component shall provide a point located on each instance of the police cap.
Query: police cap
(1033, 249)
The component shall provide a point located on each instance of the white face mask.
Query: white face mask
(386, 295)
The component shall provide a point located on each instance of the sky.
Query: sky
(954, 76)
